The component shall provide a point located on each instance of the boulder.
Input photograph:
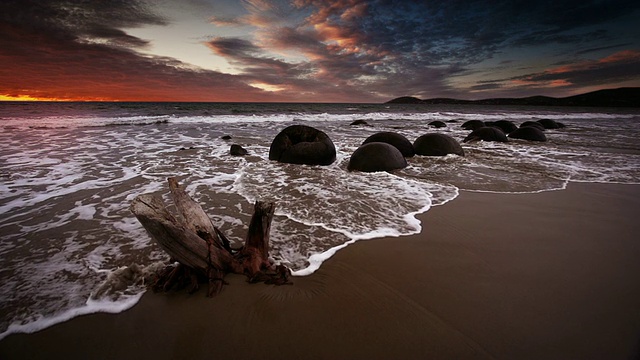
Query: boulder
(376, 156)
(549, 124)
(237, 150)
(395, 139)
(301, 144)
(532, 123)
(359, 122)
(435, 144)
(472, 124)
(438, 124)
(487, 133)
(530, 133)
(506, 125)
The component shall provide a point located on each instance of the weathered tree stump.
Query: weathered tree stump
(203, 252)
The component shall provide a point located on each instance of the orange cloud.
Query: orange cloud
(617, 67)
(625, 55)
(619, 57)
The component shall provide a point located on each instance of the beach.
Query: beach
(550, 275)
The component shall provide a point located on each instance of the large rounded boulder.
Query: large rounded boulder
(533, 124)
(301, 144)
(472, 124)
(487, 133)
(530, 133)
(376, 156)
(550, 124)
(505, 125)
(435, 144)
(400, 142)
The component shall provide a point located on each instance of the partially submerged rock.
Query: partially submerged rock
(376, 156)
(399, 141)
(505, 125)
(472, 124)
(237, 150)
(438, 124)
(301, 144)
(487, 133)
(435, 144)
(530, 133)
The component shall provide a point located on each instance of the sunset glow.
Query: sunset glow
(23, 98)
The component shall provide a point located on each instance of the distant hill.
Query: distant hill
(622, 97)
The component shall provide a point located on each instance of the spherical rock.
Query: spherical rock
(438, 124)
(395, 139)
(301, 144)
(472, 124)
(359, 122)
(435, 144)
(506, 125)
(530, 133)
(533, 124)
(487, 133)
(376, 156)
(549, 124)
(238, 150)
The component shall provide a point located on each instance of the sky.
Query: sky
(314, 50)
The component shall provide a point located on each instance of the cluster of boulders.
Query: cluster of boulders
(386, 151)
(501, 130)
(383, 151)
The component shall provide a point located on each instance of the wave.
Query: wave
(69, 180)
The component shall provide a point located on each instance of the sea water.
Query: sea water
(69, 171)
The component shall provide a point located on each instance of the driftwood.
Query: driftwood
(203, 252)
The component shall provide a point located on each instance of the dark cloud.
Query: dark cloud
(618, 67)
(307, 50)
(601, 48)
(80, 20)
(76, 50)
(390, 48)
(560, 80)
(233, 47)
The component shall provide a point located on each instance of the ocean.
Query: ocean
(69, 171)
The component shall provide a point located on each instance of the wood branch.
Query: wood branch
(201, 249)
(260, 226)
(255, 253)
(192, 213)
(176, 239)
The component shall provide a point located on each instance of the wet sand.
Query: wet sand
(554, 275)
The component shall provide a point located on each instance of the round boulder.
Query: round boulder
(472, 124)
(359, 122)
(506, 125)
(237, 150)
(438, 124)
(549, 124)
(435, 144)
(487, 133)
(376, 156)
(533, 124)
(301, 144)
(530, 133)
(400, 142)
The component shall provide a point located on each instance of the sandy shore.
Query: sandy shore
(554, 275)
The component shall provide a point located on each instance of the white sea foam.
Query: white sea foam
(66, 184)
(38, 323)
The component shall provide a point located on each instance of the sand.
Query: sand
(554, 275)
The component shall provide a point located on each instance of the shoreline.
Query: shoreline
(543, 275)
